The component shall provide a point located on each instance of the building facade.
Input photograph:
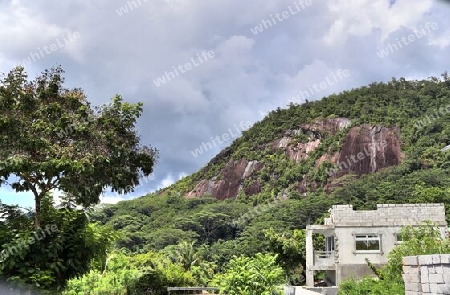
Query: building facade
(352, 236)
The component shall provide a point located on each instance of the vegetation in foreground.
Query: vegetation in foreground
(257, 275)
(51, 139)
(163, 239)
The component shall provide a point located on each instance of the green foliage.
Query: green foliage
(149, 273)
(51, 138)
(165, 218)
(119, 277)
(259, 275)
(67, 246)
(192, 259)
(373, 268)
(290, 247)
(426, 239)
(160, 273)
(184, 253)
(209, 225)
(370, 286)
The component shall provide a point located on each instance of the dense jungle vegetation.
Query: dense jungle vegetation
(163, 239)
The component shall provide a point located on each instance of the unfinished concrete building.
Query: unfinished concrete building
(352, 236)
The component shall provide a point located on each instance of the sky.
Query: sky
(206, 68)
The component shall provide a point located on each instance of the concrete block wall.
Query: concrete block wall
(388, 215)
(426, 274)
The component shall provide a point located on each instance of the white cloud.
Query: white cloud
(441, 41)
(111, 199)
(24, 30)
(169, 180)
(362, 17)
(249, 74)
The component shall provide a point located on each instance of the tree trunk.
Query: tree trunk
(37, 217)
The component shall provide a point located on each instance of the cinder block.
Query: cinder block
(426, 259)
(439, 269)
(443, 289)
(414, 269)
(411, 278)
(436, 259)
(446, 278)
(436, 278)
(415, 287)
(410, 260)
(434, 289)
(411, 269)
(407, 269)
(424, 278)
(426, 288)
(445, 258)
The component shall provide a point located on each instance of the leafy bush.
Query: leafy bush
(159, 273)
(259, 275)
(46, 260)
(118, 278)
(149, 273)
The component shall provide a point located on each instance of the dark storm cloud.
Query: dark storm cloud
(125, 45)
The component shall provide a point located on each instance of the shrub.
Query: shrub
(259, 275)
(149, 273)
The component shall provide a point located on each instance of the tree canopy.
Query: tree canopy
(52, 139)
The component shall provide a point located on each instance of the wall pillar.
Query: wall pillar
(309, 258)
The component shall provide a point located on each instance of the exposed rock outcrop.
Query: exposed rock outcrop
(299, 151)
(229, 182)
(366, 149)
(330, 126)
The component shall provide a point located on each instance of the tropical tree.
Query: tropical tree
(290, 248)
(192, 259)
(184, 253)
(67, 246)
(209, 225)
(51, 139)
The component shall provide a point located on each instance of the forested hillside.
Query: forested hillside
(289, 184)
(241, 216)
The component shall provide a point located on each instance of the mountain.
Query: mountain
(379, 143)
(365, 149)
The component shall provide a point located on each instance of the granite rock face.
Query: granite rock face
(315, 131)
(230, 180)
(366, 149)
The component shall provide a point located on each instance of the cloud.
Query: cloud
(249, 75)
(362, 17)
(169, 180)
(111, 199)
